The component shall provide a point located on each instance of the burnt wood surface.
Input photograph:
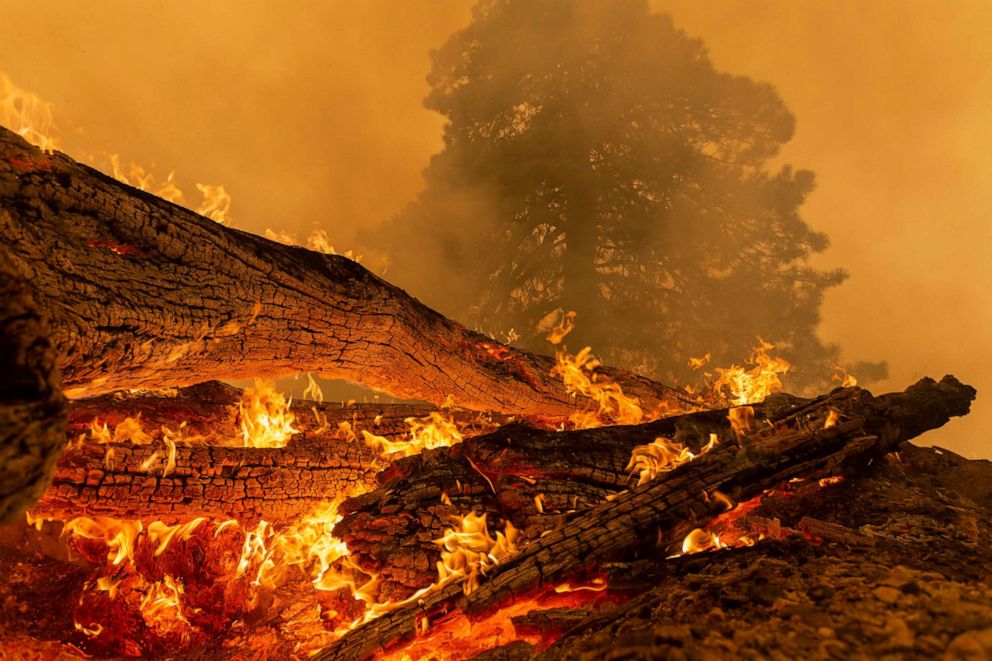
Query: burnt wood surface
(793, 444)
(213, 476)
(32, 408)
(140, 292)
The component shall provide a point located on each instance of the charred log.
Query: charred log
(140, 292)
(125, 480)
(32, 408)
(794, 444)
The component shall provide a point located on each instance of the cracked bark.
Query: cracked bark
(275, 484)
(140, 292)
(32, 408)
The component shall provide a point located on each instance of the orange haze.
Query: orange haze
(309, 114)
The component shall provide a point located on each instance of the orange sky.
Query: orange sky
(310, 114)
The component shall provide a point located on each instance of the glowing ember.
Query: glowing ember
(754, 385)
(264, 417)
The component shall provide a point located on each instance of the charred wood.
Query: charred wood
(140, 292)
(793, 444)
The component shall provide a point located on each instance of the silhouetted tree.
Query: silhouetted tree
(594, 160)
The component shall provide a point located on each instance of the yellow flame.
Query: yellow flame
(753, 386)
(161, 606)
(832, 419)
(162, 534)
(427, 433)
(700, 540)
(741, 420)
(28, 115)
(118, 534)
(264, 416)
(469, 551)
(843, 378)
(663, 455)
(216, 204)
(696, 363)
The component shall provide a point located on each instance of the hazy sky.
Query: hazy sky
(310, 115)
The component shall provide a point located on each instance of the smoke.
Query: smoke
(310, 114)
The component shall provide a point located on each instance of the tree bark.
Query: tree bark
(140, 292)
(32, 408)
(796, 444)
(276, 484)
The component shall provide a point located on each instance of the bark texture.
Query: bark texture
(32, 408)
(276, 484)
(144, 293)
(796, 444)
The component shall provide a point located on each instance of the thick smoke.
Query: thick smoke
(311, 115)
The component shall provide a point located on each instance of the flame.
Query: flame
(28, 115)
(161, 607)
(118, 534)
(741, 420)
(264, 416)
(594, 585)
(128, 430)
(754, 385)
(142, 179)
(579, 375)
(433, 431)
(216, 204)
(92, 631)
(696, 363)
(162, 534)
(469, 551)
(843, 378)
(832, 418)
(701, 540)
(663, 455)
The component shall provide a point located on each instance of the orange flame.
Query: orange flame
(28, 115)
(753, 386)
(469, 551)
(663, 455)
(264, 417)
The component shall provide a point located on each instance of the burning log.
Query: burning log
(842, 432)
(320, 464)
(32, 408)
(140, 292)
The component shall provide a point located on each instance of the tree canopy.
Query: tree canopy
(595, 160)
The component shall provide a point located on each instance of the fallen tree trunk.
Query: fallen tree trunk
(214, 476)
(32, 408)
(123, 480)
(140, 292)
(798, 444)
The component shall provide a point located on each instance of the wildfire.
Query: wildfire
(578, 373)
(754, 385)
(468, 550)
(264, 416)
